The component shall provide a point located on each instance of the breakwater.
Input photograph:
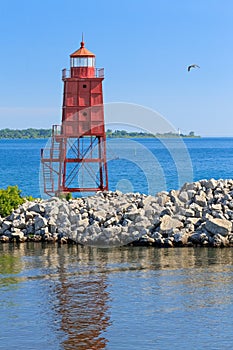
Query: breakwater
(200, 213)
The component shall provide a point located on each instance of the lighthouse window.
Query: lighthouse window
(84, 86)
(83, 62)
(90, 61)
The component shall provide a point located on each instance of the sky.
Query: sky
(144, 47)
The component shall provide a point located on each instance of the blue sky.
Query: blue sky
(144, 46)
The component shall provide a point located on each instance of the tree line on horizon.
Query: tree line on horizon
(32, 133)
(134, 134)
(29, 133)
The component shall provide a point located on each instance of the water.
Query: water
(68, 297)
(173, 163)
(142, 298)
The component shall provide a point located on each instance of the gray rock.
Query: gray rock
(6, 225)
(183, 196)
(28, 215)
(4, 238)
(168, 224)
(219, 215)
(18, 234)
(13, 216)
(162, 198)
(180, 238)
(200, 200)
(132, 215)
(187, 212)
(191, 194)
(84, 223)
(40, 222)
(37, 208)
(193, 220)
(216, 207)
(168, 242)
(198, 238)
(219, 241)
(30, 229)
(19, 223)
(110, 221)
(218, 226)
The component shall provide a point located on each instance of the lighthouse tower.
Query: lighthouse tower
(75, 158)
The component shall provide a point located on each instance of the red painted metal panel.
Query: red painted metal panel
(96, 86)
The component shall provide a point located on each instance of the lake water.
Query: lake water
(68, 297)
(133, 164)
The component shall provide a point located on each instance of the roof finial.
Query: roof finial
(82, 42)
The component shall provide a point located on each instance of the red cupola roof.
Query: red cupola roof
(82, 52)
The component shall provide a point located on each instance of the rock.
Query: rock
(19, 223)
(191, 194)
(30, 229)
(180, 238)
(230, 238)
(37, 208)
(158, 239)
(212, 184)
(168, 224)
(229, 213)
(183, 196)
(218, 226)
(110, 221)
(84, 223)
(186, 212)
(52, 225)
(219, 215)
(199, 238)
(189, 187)
(132, 215)
(18, 235)
(219, 241)
(216, 207)
(40, 222)
(28, 215)
(13, 216)
(4, 239)
(166, 211)
(162, 198)
(6, 225)
(200, 200)
(149, 212)
(198, 210)
(168, 242)
(192, 220)
(44, 231)
(146, 239)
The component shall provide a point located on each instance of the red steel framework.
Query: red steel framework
(74, 160)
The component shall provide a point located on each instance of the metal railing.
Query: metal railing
(99, 73)
(56, 130)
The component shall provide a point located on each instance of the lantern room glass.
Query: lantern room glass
(83, 62)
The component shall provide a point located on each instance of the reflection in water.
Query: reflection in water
(10, 266)
(83, 309)
(86, 298)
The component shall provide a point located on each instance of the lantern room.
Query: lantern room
(82, 63)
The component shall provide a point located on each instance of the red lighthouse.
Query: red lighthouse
(75, 158)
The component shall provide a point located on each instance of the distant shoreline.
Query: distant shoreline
(31, 134)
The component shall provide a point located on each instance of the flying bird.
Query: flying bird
(193, 66)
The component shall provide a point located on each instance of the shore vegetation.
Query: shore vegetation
(31, 133)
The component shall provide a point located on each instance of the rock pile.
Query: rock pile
(200, 213)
